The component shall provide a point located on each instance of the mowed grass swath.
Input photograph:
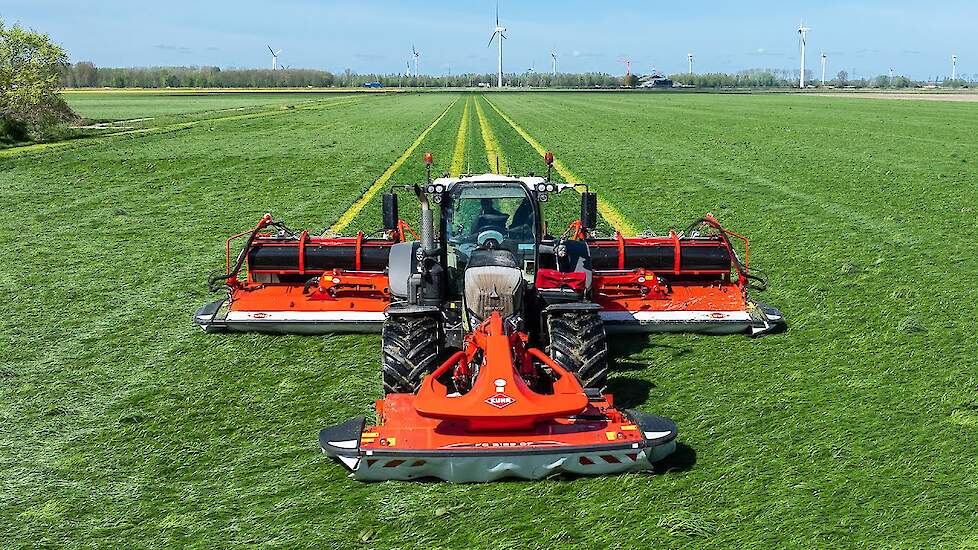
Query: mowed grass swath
(124, 425)
(123, 105)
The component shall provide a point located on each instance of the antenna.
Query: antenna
(499, 30)
(628, 67)
(803, 35)
(690, 57)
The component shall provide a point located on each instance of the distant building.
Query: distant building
(654, 80)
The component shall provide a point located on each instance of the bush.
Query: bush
(12, 131)
(30, 70)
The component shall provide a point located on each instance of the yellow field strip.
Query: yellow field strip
(371, 191)
(607, 211)
(25, 149)
(458, 158)
(494, 153)
(196, 91)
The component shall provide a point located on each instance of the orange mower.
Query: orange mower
(494, 332)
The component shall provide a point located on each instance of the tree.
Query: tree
(30, 79)
(86, 75)
(842, 78)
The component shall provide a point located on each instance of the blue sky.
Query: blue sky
(865, 38)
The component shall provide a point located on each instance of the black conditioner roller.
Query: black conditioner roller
(318, 258)
(692, 257)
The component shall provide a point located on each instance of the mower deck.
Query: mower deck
(406, 445)
(216, 317)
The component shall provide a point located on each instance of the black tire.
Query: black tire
(410, 345)
(579, 344)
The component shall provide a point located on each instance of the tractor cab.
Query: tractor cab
(495, 219)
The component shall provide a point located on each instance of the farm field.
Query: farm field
(120, 105)
(125, 425)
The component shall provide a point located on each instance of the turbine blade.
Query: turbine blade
(270, 49)
(491, 38)
(497, 13)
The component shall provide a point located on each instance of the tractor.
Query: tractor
(494, 331)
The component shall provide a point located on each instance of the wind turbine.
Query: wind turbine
(274, 57)
(824, 58)
(408, 69)
(553, 54)
(954, 67)
(417, 54)
(628, 67)
(802, 33)
(690, 56)
(499, 30)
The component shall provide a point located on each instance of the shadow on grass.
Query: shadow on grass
(626, 345)
(629, 392)
(682, 460)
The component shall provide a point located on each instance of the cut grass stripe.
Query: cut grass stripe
(607, 211)
(494, 154)
(458, 158)
(44, 147)
(371, 191)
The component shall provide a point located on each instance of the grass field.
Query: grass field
(124, 425)
(137, 105)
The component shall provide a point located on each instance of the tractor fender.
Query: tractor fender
(572, 306)
(410, 309)
(401, 265)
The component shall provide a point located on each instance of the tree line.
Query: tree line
(87, 75)
(779, 78)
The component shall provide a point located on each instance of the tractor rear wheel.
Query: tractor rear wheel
(579, 344)
(410, 348)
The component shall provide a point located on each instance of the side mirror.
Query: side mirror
(589, 210)
(390, 212)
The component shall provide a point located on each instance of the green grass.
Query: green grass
(134, 105)
(123, 425)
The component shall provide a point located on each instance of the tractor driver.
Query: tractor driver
(521, 225)
(490, 217)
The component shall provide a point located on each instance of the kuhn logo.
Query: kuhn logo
(500, 400)
(259, 315)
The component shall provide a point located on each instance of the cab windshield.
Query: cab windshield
(478, 214)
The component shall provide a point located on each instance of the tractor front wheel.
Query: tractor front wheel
(410, 345)
(579, 344)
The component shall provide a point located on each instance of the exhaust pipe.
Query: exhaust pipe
(427, 221)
